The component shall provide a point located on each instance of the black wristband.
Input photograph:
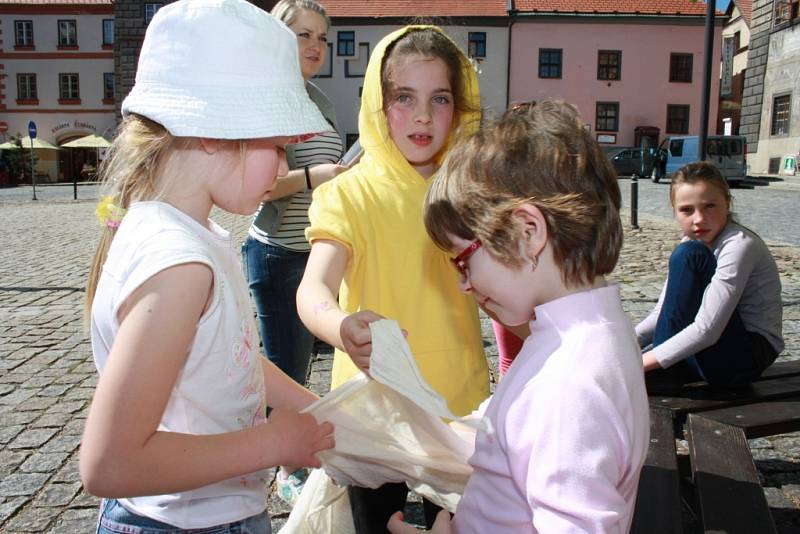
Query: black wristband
(308, 179)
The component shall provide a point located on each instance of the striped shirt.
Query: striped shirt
(323, 148)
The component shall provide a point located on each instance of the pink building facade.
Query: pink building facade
(621, 71)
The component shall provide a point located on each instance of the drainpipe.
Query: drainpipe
(511, 13)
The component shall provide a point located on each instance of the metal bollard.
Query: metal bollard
(634, 202)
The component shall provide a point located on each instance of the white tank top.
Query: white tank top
(221, 387)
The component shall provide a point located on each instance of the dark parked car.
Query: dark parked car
(628, 161)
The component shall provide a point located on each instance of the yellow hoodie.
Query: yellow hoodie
(394, 269)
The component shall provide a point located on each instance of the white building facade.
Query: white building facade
(351, 41)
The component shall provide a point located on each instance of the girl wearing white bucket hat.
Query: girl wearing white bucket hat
(177, 436)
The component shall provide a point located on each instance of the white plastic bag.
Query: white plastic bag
(323, 508)
(387, 430)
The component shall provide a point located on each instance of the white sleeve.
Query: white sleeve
(734, 264)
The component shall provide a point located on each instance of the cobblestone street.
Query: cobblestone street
(47, 375)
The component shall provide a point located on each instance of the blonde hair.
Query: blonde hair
(539, 154)
(286, 11)
(142, 159)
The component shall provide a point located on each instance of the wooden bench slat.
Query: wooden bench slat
(761, 419)
(706, 397)
(658, 502)
(780, 369)
(728, 490)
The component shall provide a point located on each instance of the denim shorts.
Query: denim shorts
(116, 519)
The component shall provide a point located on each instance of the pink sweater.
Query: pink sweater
(571, 426)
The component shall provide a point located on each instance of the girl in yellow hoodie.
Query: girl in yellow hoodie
(368, 240)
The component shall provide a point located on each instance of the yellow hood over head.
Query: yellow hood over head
(381, 155)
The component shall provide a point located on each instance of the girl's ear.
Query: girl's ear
(210, 146)
(532, 223)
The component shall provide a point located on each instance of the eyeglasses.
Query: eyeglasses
(460, 261)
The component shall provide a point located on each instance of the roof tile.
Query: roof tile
(415, 8)
(648, 7)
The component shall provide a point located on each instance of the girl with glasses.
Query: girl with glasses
(529, 207)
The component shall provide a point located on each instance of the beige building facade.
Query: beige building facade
(57, 71)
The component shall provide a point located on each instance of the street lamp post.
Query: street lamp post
(32, 135)
(708, 53)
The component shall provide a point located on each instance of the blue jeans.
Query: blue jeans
(116, 519)
(273, 274)
(737, 358)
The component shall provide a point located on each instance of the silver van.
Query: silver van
(728, 152)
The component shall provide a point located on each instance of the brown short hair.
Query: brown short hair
(539, 154)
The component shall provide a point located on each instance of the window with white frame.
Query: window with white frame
(68, 86)
(108, 32)
(23, 33)
(67, 33)
(781, 108)
(26, 86)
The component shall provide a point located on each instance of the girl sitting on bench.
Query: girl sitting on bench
(719, 315)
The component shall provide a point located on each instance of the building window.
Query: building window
(346, 44)
(68, 86)
(23, 33)
(680, 68)
(781, 106)
(108, 32)
(677, 119)
(150, 9)
(609, 65)
(108, 86)
(786, 10)
(477, 44)
(607, 119)
(26, 87)
(67, 33)
(549, 63)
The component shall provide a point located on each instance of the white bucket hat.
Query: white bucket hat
(222, 69)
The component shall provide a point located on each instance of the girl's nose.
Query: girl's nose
(423, 114)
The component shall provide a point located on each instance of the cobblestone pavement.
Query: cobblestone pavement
(47, 375)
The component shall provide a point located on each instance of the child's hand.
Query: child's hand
(356, 337)
(300, 437)
(440, 526)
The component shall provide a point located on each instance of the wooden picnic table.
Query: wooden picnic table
(717, 422)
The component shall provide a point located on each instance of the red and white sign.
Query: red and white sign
(3, 126)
